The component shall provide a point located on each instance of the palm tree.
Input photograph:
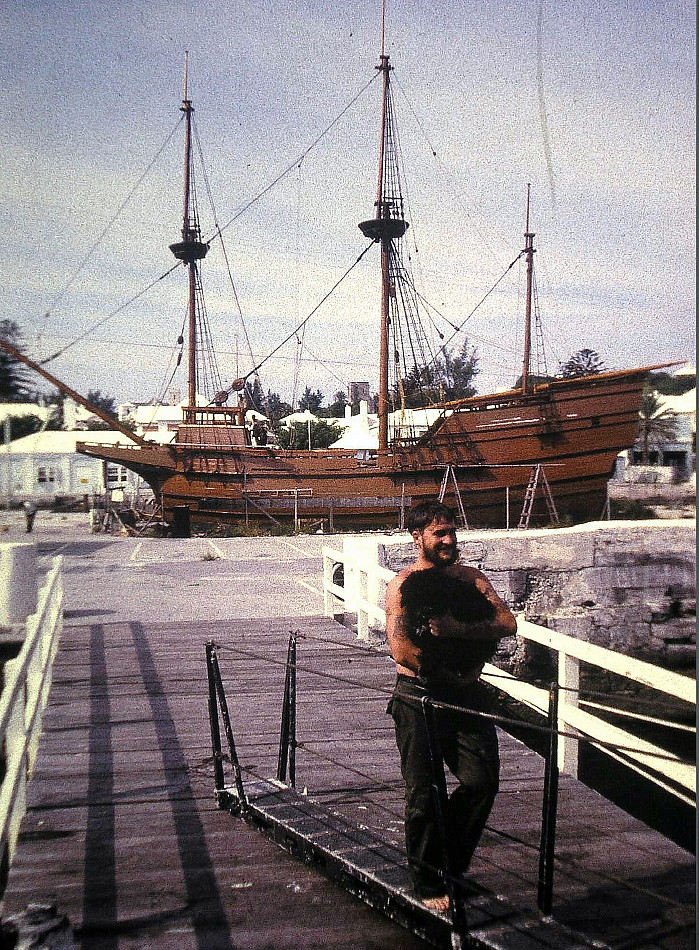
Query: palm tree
(656, 424)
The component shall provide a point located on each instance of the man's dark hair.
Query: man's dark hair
(425, 512)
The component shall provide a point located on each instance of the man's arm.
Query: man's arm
(403, 650)
(502, 624)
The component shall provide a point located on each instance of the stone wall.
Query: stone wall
(627, 586)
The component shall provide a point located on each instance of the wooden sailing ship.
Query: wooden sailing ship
(487, 454)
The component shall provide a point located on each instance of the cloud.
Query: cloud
(92, 95)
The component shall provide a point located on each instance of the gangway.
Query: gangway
(373, 870)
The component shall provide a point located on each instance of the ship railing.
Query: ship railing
(353, 585)
(27, 681)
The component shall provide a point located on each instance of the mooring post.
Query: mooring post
(286, 762)
(214, 722)
(440, 798)
(547, 847)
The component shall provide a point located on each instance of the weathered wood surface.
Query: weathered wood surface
(123, 833)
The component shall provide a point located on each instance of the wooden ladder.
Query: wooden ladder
(449, 470)
(538, 475)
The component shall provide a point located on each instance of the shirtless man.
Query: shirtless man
(469, 743)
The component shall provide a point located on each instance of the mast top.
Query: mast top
(527, 232)
(186, 101)
(383, 30)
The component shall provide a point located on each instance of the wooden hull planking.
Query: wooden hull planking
(574, 428)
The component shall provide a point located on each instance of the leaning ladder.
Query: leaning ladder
(538, 475)
(449, 470)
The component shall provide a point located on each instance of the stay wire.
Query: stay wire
(109, 316)
(224, 249)
(303, 323)
(480, 302)
(293, 164)
(71, 280)
(219, 229)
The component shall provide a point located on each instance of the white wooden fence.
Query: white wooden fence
(362, 592)
(27, 680)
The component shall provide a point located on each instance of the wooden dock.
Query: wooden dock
(123, 833)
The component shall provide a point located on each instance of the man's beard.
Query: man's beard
(441, 555)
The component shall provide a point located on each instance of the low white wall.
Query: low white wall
(624, 585)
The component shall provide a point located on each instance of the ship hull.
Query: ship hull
(487, 446)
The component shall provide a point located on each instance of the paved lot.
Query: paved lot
(111, 578)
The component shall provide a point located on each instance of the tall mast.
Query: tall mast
(387, 226)
(191, 248)
(529, 253)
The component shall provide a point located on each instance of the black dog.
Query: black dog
(432, 593)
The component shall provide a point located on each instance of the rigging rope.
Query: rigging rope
(484, 298)
(293, 165)
(303, 323)
(217, 233)
(224, 249)
(542, 101)
(109, 316)
(61, 294)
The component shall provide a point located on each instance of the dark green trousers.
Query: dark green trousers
(469, 747)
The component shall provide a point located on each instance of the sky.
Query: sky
(591, 104)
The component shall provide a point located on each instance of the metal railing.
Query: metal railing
(362, 593)
(27, 680)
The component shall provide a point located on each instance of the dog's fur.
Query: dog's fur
(432, 593)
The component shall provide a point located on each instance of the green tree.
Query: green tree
(255, 394)
(449, 377)
(534, 380)
(656, 424)
(669, 385)
(101, 401)
(275, 408)
(20, 426)
(55, 400)
(296, 435)
(311, 400)
(336, 409)
(582, 363)
(14, 376)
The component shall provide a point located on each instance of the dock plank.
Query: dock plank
(123, 833)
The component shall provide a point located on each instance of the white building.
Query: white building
(668, 460)
(45, 467)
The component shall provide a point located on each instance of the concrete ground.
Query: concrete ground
(110, 577)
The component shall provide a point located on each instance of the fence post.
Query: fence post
(569, 681)
(214, 720)
(441, 800)
(18, 591)
(328, 596)
(547, 847)
(223, 706)
(286, 760)
(362, 598)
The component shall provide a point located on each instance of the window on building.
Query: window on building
(45, 475)
(117, 475)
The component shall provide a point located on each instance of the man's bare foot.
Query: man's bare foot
(440, 904)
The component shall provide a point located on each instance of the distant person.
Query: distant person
(30, 510)
(259, 432)
(444, 660)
